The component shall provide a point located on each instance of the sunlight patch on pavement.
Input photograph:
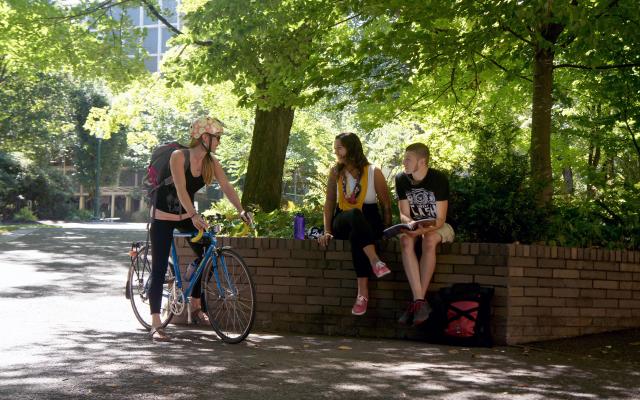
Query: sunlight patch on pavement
(353, 387)
(225, 385)
(429, 386)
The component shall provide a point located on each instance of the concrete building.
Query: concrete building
(157, 34)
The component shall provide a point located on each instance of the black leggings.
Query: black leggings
(161, 235)
(361, 228)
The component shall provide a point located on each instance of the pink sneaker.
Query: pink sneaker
(360, 306)
(380, 269)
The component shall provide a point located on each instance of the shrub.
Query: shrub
(80, 215)
(24, 215)
(609, 220)
(10, 173)
(141, 215)
(495, 203)
(50, 190)
(277, 223)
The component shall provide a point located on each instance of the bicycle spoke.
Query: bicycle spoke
(230, 297)
(139, 280)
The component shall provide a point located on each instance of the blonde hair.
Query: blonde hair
(208, 172)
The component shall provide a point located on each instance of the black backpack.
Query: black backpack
(158, 171)
(158, 175)
(461, 315)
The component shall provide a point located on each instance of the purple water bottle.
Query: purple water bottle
(298, 227)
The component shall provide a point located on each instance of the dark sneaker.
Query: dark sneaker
(407, 315)
(422, 311)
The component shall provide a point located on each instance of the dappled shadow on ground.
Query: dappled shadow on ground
(69, 261)
(196, 365)
(75, 338)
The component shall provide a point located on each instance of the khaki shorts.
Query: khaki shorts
(446, 233)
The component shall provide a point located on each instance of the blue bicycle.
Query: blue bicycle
(228, 293)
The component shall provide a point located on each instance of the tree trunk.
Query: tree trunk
(263, 184)
(594, 161)
(541, 125)
(567, 174)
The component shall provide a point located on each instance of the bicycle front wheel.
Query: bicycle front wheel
(138, 288)
(229, 296)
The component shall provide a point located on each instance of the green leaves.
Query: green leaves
(41, 37)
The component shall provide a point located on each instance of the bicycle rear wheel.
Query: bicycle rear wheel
(229, 296)
(138, 286)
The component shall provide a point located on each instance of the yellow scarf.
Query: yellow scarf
(343, 204)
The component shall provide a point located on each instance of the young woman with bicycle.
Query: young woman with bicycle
(191, 169)
(351, 211)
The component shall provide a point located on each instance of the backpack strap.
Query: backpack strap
(167, 181)
(187, 159)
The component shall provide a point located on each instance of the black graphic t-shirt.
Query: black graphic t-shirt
(423, 195)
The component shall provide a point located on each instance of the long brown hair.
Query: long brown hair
(208, 173)
(355, 153)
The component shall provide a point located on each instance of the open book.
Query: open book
(397, 229)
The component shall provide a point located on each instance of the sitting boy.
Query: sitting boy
(423, 193)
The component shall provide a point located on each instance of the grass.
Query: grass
(6, 228)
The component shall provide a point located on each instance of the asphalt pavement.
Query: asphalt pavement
(67, 332)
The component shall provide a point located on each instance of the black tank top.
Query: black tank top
(167, 195)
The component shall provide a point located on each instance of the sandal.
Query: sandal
(198, 317)
(159, 335)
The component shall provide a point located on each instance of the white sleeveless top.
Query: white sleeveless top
(370, 198)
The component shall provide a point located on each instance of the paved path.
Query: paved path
(68, 333)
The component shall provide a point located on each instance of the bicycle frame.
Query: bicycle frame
(230, 302)
(209, 254)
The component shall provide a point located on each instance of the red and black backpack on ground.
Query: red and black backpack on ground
(461, 315)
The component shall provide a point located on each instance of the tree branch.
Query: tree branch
(612, 4)
(511, 31)
(503, 68)
(419, 98)
(169, 25)
(453, 89)
(614, 217)
(631, 133)
(597, 67)
(100, 6)
(3, 68)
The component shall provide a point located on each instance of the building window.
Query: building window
(150, 43)
(169, 10)
(134, 15)
(166, 35)
(151, 63)
(149, 19)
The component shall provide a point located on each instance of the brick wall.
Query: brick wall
(541, 292)
(559, 292)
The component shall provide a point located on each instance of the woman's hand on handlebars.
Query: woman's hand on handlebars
(246, 217)
(198, 222)
(325, 239)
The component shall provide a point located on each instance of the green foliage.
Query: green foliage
(610, 220)
(277, 223)
(273, 52)
(36, 116)
(85, 146)
(49, 190)
(41, 36)
(10, 171)
(24, 215)
(493, 202)
(79, 215)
